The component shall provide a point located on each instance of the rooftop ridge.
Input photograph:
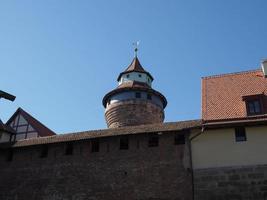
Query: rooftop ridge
(231, 74)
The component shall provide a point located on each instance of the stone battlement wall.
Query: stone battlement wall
(141, 172)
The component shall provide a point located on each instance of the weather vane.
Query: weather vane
(136, 44)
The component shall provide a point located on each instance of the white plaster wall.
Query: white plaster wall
(30, 128)
(134, 76)
(22, 129)
(218, 148)
(22, 120)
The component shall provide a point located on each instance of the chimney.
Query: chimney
(264, 67)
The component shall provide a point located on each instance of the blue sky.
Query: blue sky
(61, 57)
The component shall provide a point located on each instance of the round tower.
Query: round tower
(134, 102)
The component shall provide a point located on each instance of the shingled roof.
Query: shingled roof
(222, 94)
(152, 128)
(135, 66)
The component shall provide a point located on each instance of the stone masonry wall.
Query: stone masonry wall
(133, 112)
(139, 173)
(231, 183)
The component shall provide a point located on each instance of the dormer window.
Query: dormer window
(254, 107)
(254, 104)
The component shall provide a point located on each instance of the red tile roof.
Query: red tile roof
(135, 66)
(37, 125)
(222, 94)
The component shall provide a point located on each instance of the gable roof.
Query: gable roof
(129, 130)
(135, 66)
(37, 125)
(222, 94)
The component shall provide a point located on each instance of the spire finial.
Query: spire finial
(136, 44)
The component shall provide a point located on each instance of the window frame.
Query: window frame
(138, 95)
(179, 139)
(252, 99)
(69, 149)
(95, 145)
(149, 96)
(153, 140)
(240, 134)
(44, 151)
(124, 143)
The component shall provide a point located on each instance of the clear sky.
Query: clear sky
(61, 57)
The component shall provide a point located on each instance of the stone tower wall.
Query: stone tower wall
(139, 173)
(133, 112)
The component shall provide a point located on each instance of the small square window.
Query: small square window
(124, 143)
(138, 95)
(95, 145)
(240, 134)
(140, 75)
(44, 151)
(69, 149)
(149, 97)
(9, 156)
(179, 139)
(128, 75)
(153, 140)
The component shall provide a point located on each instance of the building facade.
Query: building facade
(229, 156)
(139, 157)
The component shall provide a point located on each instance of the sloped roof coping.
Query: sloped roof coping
(129, 130)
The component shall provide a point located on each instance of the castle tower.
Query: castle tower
(134, 102)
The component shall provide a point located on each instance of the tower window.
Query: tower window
(95, 145)
(128, 75)
(149, 97)
(153, 140)
(137, 95)
(44, 151)
(69, 149)
(179, 139)
(124, 143)
(240, 134)
(140, 75)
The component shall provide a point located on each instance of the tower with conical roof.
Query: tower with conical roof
(134, 101)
